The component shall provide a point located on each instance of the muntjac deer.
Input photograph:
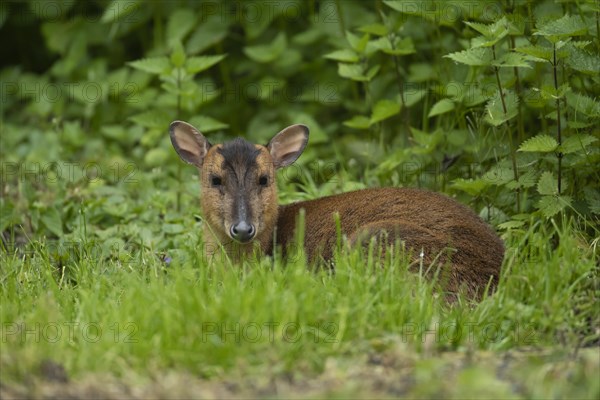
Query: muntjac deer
(240, 209)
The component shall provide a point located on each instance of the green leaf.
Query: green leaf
(484, 29)
(156, 65)
(468, 94)
(412, 96)
(581, 60)
(576, 142)
(52, 221)
(372, 72)
(255, 18)
(576, 125)
(201, 63)
(156, 157)
(308, 37)
(512, 224)
(207, 124)
(592, 196)
(180, 23)
(512, 60)
(474, 187)
(397, 47)
(581, 44)
(267, 53)
(436, 12)
(268, 86)
(152, 119)
(357, 43)
(547, 185)
(526, 180)
(492, 32)
(481, 56)
(427, 141)
(375, 29)
(384, 109)
(404, 46)
(172, 229)
(344, 55)
(540, 143)
(119, 9)
(549, 92)
(537, 53)
(482, 41)
(207, 34)
(498, 175)
(492, 214)
(358, 122)
(566, 26)
(552, 205)
(354, 72)
(178, 55)
(494, 110)
(583, 104)
(8, 215)
(441, 107)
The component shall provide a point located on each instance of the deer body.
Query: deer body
(425, 221)
(241, 213)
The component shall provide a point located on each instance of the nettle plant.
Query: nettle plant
(563, 147)
(181, 92)
(525, 112)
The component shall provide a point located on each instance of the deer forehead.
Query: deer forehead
(238, 157)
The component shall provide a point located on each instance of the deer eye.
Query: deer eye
(216, 181)
(263, 180)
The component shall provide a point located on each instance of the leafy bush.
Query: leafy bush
(494, 102)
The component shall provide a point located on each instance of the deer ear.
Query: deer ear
(188, 142)
(287, 145)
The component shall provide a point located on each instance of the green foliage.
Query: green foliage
(495, 103)
(364, 79)
(564, 27)
(540, 143)
(501, 108)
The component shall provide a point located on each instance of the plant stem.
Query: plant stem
(513, 156)
(558, 121)
(338, 6)
(405, 109)
(229, 88)
(520, 124)
(179, 166)
(496, 71)
(598, 29)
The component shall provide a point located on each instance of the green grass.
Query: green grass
(131, 313)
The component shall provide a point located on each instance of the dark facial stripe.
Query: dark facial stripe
(239, 157)
(241, 208)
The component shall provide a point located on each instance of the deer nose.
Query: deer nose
(242, 231)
